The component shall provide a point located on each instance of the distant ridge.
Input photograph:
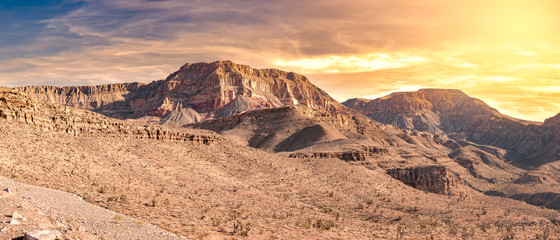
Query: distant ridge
(452, 112)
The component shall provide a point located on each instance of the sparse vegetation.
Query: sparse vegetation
(453, 229)
(400, 232)
(240, 228)
(510, 232)
(324, 224)
(546, 233)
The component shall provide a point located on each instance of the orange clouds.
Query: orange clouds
(504, 52)
(338, 64)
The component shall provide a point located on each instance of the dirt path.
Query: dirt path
(76, 215)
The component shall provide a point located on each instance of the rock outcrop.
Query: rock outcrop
(43, 235)
(435, 179)
(210, 90)
(349, 156)
(17, 106)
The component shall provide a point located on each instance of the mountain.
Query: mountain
(197, 91)
(462, 117)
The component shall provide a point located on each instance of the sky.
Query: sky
(507, 53)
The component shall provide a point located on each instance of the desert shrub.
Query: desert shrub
(241, 229)
(453, 229)
(324, 224)
(400, 232)
(510, 232)
(545, 235)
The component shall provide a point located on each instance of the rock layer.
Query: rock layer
(17, 106)
(349, 156)
(435, 179)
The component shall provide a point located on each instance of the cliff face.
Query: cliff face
(461, 117)
(435, 179)
(84, 97)
(16, 106)
(349, 156)
(211, 90)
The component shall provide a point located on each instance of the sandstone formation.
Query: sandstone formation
(435, 179)
(199, 91)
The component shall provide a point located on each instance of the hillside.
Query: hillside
(300, 132)
(202, 185)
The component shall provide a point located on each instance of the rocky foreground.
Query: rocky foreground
(37, 213)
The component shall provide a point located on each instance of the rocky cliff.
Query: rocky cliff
(197, 91)
(435, 179)
(463, 118)
(18, 107)
(349, 156)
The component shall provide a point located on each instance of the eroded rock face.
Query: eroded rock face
(435, 179)
(206, 88)
(17, 106)
(349, 156)
(462, 117)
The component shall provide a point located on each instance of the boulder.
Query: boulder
(43, 235)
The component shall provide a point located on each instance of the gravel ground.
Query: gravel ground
(84, 217)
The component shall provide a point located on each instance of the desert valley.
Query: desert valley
(221, 150)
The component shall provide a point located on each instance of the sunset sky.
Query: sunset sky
(506, 53)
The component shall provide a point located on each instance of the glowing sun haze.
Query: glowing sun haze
(506, 53)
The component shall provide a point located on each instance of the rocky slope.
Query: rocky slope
(197, 91)
(301, 132)
(304, 133)
(227, 190)
(302, 129)
(464, 118)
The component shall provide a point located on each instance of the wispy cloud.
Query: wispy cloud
(346, 64)
(493, 50)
